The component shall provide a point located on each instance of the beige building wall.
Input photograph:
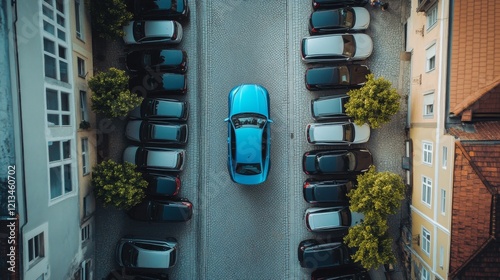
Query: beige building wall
(432, 158)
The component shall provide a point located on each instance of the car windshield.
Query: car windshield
(139, 31)
(248, 120)
(348, 132)
(347, 17)
(351, 161)
(129, 255)
(248, 168)
(344, 75)
(349, 45)
(346, 217)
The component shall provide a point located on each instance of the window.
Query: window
(85, 233)
(432, 15)
(430, 55)
(54, 19)
(441, 257)
(56, 64)
(84, 115)
(427, 152)
(78, 20)
(428, 104)
(445, 157)
(443, 201)
(426, 190)
(54, 40)
(36, 249)
(426, 241)
(60, 168)
(85, 156)
(81, 68)
(425, 274)
(58, 107)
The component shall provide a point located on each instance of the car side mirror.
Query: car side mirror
(269, 121)
(226, 119)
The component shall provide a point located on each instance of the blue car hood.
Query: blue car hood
(249, 98)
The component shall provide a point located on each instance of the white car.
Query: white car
(337, 133)
(336, 47)
(336, 219)
(146, 253)
(152, 31)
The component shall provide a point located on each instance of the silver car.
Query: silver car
(329, 107)
(146, 253)
(336, 47)
(152, 31)
(336, 219)
(337, 133)
(156, 132)
(155, 159)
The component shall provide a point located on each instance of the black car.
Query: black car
(335, 77)
(147, 132)
(337, 162)
(329, 4)
(331, 191)
(315, 254)
(173, 210)
(157, 60)
(162, 184)
(161, 9)
(329, 107)
(158, 84)
(346, 19)
(161, 109)
(345, 272)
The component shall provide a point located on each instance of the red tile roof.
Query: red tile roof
(475, 210)
(475, 55)
(482, 131)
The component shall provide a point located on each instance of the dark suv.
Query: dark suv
(158, 84)
(161, 9)
(337, 162)
(174, 210)
(334, 77)
(331, 191)
(314, 254)
(328, 4)
(345, 272)
(157, 60)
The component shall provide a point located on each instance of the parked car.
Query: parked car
(121, 274)
(314, 254)
(146, 253)
(329, 191)
(329, 107)
(158, 84)
(162, 184)
(336, 47)
(147, 132)
(344, 272)
(157, 60)
(336, 219)
(166, 211)
(329, 4)
(152, 31)
(249, 134)
(335, 77)
(155, 159)
(161, 109)
(337, 133)
(161, 9)
(338, 162)
(340, 20)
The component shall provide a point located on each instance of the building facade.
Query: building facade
(52, 59)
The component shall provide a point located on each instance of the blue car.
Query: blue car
(249, 134)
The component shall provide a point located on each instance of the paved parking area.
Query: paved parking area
(240, 232)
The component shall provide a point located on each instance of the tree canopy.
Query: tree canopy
(374, 103)
(108, 17)
(111, 95)
(118, 184)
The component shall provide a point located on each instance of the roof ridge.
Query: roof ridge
(475, 96)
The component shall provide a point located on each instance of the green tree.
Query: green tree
(111, 96)
(108, 17)
(378, 192)
(374, 103)
(118, 184)
(372, 241)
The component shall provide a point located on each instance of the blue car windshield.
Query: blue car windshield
(248, 120)
(248, 168)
